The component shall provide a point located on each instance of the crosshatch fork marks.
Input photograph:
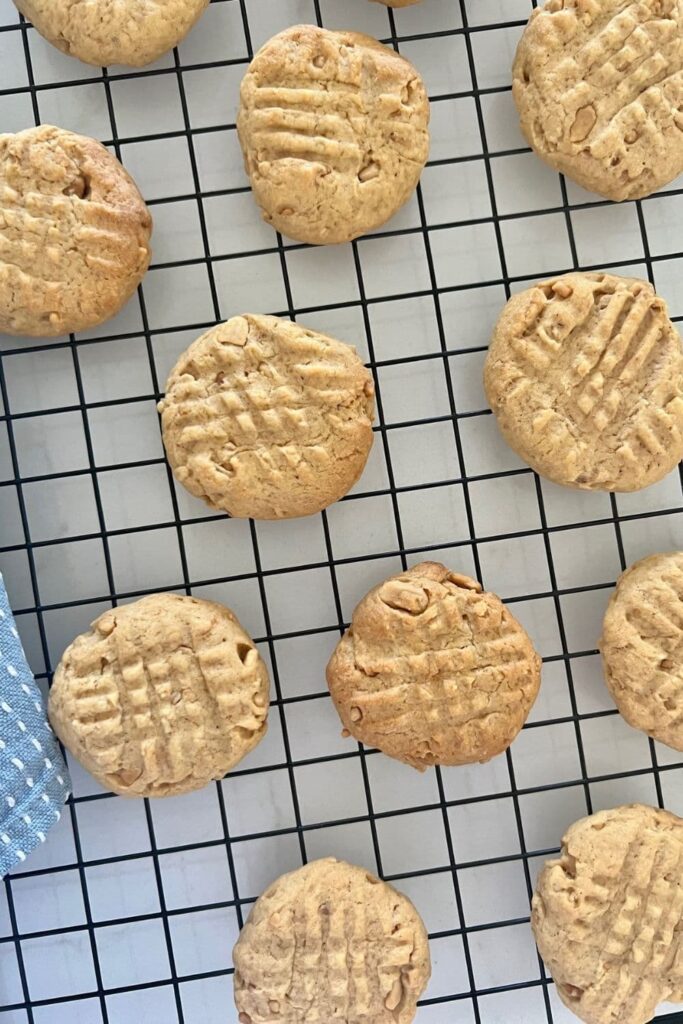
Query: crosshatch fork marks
(161, 696)
(585, 375)
(328, 943)
(516, 992)
(607, 914)
(264, 418)
(599, 86)
(333, 126)
(642, 646)
(433, 670)
(74, 233)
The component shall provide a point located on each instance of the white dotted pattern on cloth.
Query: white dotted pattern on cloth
(28, 814)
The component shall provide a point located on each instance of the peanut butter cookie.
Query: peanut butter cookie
(585, 376)
(102, 32)
(160, 696)
(74, 233)
(642, 647)
(331, 943)
(433, 670)
(333, 126)
(265, 419)
(607, 915)
(599, 89)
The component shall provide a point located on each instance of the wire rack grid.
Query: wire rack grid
(129, 911)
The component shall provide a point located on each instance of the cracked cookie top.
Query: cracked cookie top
(268, 420)
(103, 32)
(160, 696)
(331, 943)
(599, 89)
(74, 233)
(607, 915)
(333, 126)
(585, 376)
(433, 670)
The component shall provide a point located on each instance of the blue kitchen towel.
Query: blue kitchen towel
(34, 782)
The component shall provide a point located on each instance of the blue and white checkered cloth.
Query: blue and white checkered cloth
(34, 782)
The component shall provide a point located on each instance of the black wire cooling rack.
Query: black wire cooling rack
(131, 909)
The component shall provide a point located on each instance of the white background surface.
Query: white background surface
(104, 520)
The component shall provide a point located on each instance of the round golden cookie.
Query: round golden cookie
(607, 915)
(585, 376)
(267, 420)
(433, 670)
(102, 32)
(333, 126)
(74, 233)
(642, 647)
(599, 89)
(331, 943)
(160, 696)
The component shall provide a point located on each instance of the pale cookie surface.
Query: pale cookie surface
(599, 88)
(433, 670)
(327, 943)
(160, 696)
(265, 419)
(74, 233)
(642, 647)
(102, 32)
(607, 914)
(585, 376)
(333, 126)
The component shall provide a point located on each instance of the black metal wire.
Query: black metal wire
(20, 34)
